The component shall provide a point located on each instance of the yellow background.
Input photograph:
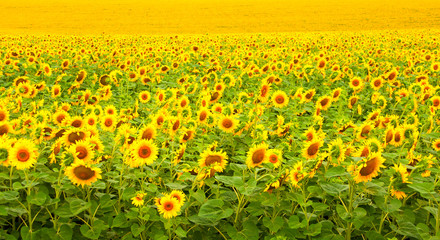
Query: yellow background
(213, 16)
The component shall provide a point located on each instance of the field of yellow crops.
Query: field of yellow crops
(219, 120)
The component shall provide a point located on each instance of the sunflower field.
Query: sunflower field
(326, 135)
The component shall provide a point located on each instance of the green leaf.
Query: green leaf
(119, 220)
(317, 206)
(250, 230)
(199, 196)
(231, 181)
(273, 225)
(17, 186)
(65, 232)
(180, 232)
(335, 172)
(9, 195)
(333, 188)
(432, 210)
(423, 187)
(394, 205)
(130, 192)
(342, 212)
(211, 209)
(36, 198)
(78, 205)
(372, 235)
(25, 233)
(106, 201)
(294, 222)
(3, 211)
(314, 230)
(176, 185)
(136, 229)
(89, 233)
(64, 211)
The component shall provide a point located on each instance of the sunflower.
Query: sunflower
(108, 123)
(175, 124)
(55, 150)
(280, 99)
(397, 194)
(56, 91)
(296, 174)
(376, 83)
(352, 101)
(4, 128)
(5, 146)
(110, 110)
(73, 135)
(392, 75)
(187, 135)
(168, 206)
(148, 132)
(310, 134)
(202, 115)
(257, 155)
(82, 151)
(144, 96)
(321, 64)
(96, 143)
(4, 115)
(436, 144)
(323, 102)
(179, 154)
(336, 150)
(364, 130)
(399, 136)
(179, 195)
(227, 124)
(144, 151)
(311, 148)
(264, 92)
(23, 154)
(91, 120)
(138, 200)
(46, 69)
(356, 83)
(215, 160)
(435, 67)
(436, 102)
(183, 102)
(369, 168)
(275, 157)
(82, 174)
(76, 121)
(336, 94)
(308, 96)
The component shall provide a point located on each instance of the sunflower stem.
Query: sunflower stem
(350, 208)
(29, 204)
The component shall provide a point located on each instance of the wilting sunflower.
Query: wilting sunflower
(311, 148)
(275, 157)
(227, 124)
(179, 195)
(369, 168)
(108, 123)
(23, 154)
(144, 96)
(436, 145)
(168, 206)
(144, 151)
(280, 99)
(148, 132)
(82, 174)
(215, 160)
(138, 200)
(257, 155)
(82, 151)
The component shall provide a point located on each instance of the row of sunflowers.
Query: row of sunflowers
(331, 135)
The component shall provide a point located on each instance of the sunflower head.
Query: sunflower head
(216, 160)
(280, 99)
(168, 206)
(257, 155)
(227, 124)
(144, 151)
(81, 174)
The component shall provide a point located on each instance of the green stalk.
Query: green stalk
(350, 210)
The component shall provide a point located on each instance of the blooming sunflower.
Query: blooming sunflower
(370, 168)
(187, 135)
(5, 146)
(280, 99)
(397, 194)
(138, 200)
(144, 96)
(257, 155)
(336, 150)
(311, 148)
(144, 151)
(81, 174)
(324, 102)
(216, 160)
(4, 115)
(59, 117)
(436, 145)
(202, 115)
(82, 151)
(108, 123)
(275, 157)
(264, 92)
(168, 206)
(364, 130)
(96, 143)
(227, 124)
(76, 121)
(23, 154)
(56, 91)
(179, 195)
(376, 83)
(148, 132)
(336, 94)
(356, 83)
(73, 135)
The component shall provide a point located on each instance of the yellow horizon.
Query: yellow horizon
(213, 16)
